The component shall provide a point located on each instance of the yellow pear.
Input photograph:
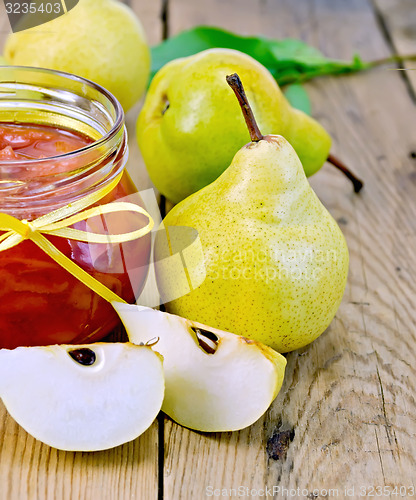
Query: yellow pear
(101, 40)
(276, 262)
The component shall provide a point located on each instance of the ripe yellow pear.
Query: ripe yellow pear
(101, 40)
(276, 262)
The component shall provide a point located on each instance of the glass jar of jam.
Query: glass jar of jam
(62, 138)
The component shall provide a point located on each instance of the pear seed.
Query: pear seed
(206, 339)
(83, 356)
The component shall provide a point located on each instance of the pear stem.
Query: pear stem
(336, 162)
(393, 59)
(235, 83)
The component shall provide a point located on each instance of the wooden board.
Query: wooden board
(31, 470)
(5, 29)
(346, 415)
(397, 20)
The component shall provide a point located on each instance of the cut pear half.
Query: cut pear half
(215, 380)
(82, 398)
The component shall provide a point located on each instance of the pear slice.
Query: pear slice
(82, 398)
(215, 380)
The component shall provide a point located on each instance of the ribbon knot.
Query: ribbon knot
(57, 223)
(27, 230)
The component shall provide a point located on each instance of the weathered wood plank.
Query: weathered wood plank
(346, 414)
(398, 18)
(31, 470)
(5, 29)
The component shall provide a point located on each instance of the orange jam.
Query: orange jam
(25, 142)
(40, 302)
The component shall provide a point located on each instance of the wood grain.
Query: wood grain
(397, 19)
(31, 470)
(346, 414)
(5, 28)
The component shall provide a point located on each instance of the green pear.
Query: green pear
(190, 126)
(276, 262)
(101, 40)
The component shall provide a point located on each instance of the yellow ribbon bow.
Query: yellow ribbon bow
(57, 223)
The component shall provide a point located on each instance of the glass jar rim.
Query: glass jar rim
(118, 122)
(62, 100)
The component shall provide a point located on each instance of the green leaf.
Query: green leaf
(298, 97)
(289, 60)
